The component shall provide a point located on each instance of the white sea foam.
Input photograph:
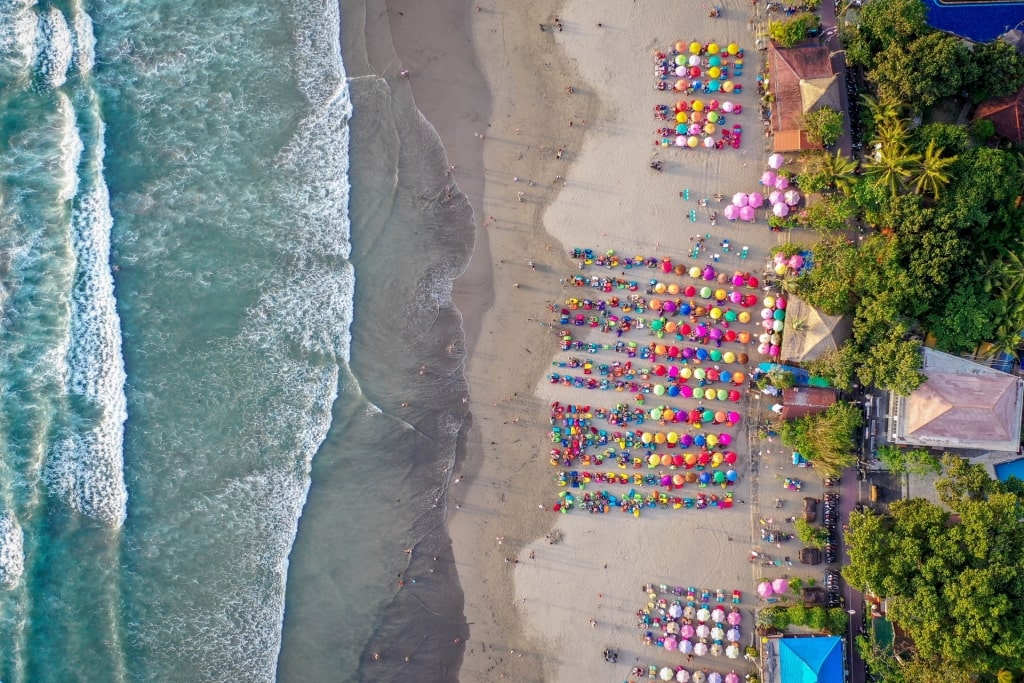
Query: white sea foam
(19, 27)
(70, 148)
(86, 467)
(12, 550)
(53, 48)
(83, 40)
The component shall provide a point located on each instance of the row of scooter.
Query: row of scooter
(831, 523)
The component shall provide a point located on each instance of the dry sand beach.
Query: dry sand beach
(543, 611)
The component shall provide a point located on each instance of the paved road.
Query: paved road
(849, 495)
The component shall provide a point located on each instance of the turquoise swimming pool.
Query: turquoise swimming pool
(1014, 468)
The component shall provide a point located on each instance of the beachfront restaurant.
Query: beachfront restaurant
(801, 80)
(803, 659)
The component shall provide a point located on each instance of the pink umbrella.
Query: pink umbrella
(732, 677)
(780, 210)
(780, 585)
(680, 141)
(732, 212)
(764, 589)
(685, 646)
(747, 213)
(671, 643)
(735, 297)
(686, 631)
(768, 178)
(680, 71)
(774, 350)
(792, 197)
(724, 439)
(739, 199)
(776, 161)
(755, 199)
(734, 618)
(781, 183)
(728, 107)
(775, 196)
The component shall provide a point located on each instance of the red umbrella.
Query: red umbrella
(678, 460)
(730, 335)
(730, 457)
(753, 282)
(690, 291)
(734, 395)
(673, 351)
(660, 370)
(712, 374)
(694, 416)
(685, 329)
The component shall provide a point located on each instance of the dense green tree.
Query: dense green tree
(883, 24)
(892, 361)
(823, 126)
(830, 284)
(950, 137)
(954, 585)
(920, 73)
(836, 366)
(792, 30)
(826, 438)
(919, 461)
(965, 319)
(810, 535)
(827, 214)
(824, 172)
(1000, 70)
(892, 165)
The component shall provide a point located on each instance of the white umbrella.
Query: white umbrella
(780, 210)
(694, 60)
(717, 633)
(733, 651)
(682, 676)
(700, 649)
(718, 615)
(703, 631)
(699, 677)
(703, 614)
(675, 611)
(792, 197)
(667, 674)
(709, 142)
(689, 611)
(776, 161)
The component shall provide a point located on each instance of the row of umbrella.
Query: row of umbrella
(732, 651)
(779, 586)
(698, 105)
(683, 676)
(712, 48)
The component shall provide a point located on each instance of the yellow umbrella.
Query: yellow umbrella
(695, 48)
(698, 105)
(713, 49)
(732, 48)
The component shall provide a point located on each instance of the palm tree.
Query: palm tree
(882, 109)
(932, 175)
(841, 171)
(892, 132)
(892, 166)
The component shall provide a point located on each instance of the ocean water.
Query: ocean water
(232, 380)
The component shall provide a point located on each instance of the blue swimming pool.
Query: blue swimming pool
(1014, 468)
(977, 21)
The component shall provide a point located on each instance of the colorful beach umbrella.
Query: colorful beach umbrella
(739, 199)
(755, 199)
(747, 213)
(776, 161)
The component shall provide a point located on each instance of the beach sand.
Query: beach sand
(530, 615)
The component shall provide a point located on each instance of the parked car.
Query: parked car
(810, 509)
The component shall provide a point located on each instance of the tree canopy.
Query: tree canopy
(954, 584)
(827, 438)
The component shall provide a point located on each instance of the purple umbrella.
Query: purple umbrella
(781, 183)
(775, 196)
(768, 178)
(687, 631)
(747, 213)
(755, 199)
(792, 197)
(715, 333)
(671, 643)
(739, 199)
(733, 635)
(685, 646)
(780, 210)
(732, 212)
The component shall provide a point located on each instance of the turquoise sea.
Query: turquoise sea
(223, 264)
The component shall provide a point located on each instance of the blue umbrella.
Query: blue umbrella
(699, 440)
(702, 354)
(731, 475)
(673, 390)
